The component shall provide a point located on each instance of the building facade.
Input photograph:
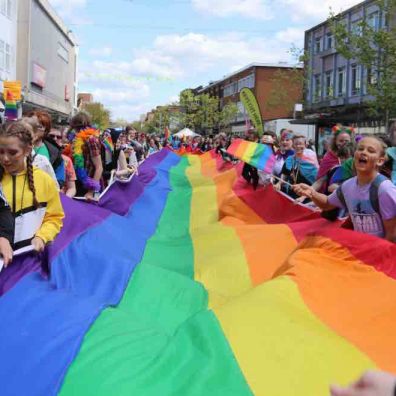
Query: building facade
(47, 56)
(264, 80)
(8, 40)
(337, 88)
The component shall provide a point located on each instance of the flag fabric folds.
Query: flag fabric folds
(261, 156)
(188, 281)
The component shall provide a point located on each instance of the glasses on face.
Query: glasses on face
(55, 137)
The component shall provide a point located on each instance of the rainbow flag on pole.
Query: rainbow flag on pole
(261, 156)
(186, 281)
(11, 110)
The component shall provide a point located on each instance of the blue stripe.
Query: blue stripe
(262, 161)
(43, 323)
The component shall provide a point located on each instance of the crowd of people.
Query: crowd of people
(352, 180)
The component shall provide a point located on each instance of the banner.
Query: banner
(252, 107)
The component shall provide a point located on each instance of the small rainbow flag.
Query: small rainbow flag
(108, 144)
(11, 111)
(261, 156)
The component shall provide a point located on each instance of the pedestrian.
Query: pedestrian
(32, 194)
(86, 155)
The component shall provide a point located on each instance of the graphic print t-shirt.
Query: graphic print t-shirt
(363, 216)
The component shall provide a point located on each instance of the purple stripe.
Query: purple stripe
(92, 215)
(132, 191)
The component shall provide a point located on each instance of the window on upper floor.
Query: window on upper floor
(356, 28)
(341, 81)
(355, 79)
(373, 20)
(246, 82)
(6, 7)
(329, 41)
(63, 52)
(230, 89)
(8, 57)
(318, 45)
(371, 78)
(329, 84)
(317, 88)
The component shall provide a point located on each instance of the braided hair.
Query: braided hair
(24, 132)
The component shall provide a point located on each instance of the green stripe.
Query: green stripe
(161, 339)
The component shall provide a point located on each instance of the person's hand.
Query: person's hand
(300, 199)
(278, 186)
(38, 244)
(303, 190)
(89, 196)
(6, 251)
(371, 383)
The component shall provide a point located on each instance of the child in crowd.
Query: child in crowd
(32, 194)
(369, 197)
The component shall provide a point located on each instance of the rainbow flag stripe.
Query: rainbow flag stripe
(261, 156)
(11, 110)
(108, 144)
(187, 281)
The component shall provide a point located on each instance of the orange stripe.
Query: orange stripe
(241, 150)
(258, 239)
(352, 298)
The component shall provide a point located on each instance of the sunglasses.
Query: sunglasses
(55, 137)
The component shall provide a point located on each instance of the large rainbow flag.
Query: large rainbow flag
(186, 281)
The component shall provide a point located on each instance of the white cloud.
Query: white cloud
(183, 56)
(103, 51)
(257, 9)
(291, 35)
(67, 7)
(297, 10)
(301, 10)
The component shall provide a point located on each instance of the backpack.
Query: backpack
(373, 194)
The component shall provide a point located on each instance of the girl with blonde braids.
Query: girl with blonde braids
(31, 193)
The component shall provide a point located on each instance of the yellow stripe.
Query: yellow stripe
(219, 260)
(250, 150)
(282, 347)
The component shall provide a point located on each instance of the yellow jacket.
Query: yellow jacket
(44, 222)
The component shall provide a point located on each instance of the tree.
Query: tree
(120, 122)
(373, 47)
(202, 112)
(228, 114)
(99, 114)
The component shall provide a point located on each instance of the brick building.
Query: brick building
(265, 80)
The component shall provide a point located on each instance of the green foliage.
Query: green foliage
(375, 50)
(202, 112)
(99, 114)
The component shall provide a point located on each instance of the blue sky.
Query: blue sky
(137, 54)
